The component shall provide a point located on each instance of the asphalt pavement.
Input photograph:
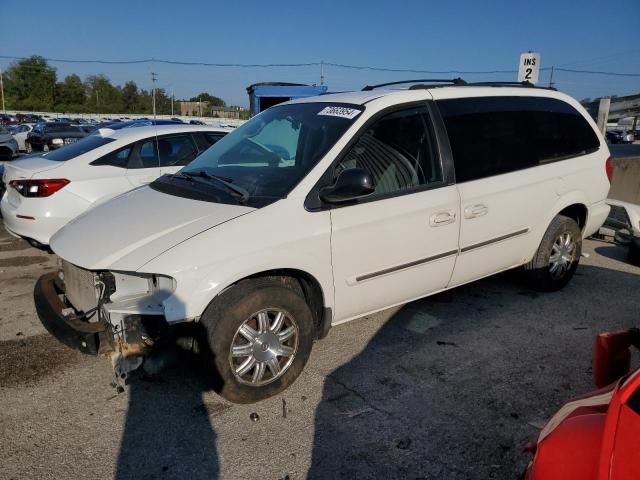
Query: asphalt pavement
(449, 387)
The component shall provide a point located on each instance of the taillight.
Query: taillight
(38, 188)
(609, 168)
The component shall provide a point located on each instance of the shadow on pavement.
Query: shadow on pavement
(168, 432)
(455, 385)
(614, 252)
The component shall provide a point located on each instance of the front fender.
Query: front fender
(280, 236)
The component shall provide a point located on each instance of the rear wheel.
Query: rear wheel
(257, 338)
(557, 257)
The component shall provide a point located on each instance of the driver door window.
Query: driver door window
(399, 152)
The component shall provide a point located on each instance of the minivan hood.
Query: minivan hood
(28, 167)
(130, 230)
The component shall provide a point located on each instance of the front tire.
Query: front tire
(257, 339)
(557, 257)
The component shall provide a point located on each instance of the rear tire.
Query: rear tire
(557, 257)
(247, 354)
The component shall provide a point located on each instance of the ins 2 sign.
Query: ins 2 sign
(529, 67)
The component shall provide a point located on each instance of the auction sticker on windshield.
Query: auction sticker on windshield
(342, 112)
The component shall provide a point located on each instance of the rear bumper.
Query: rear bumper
(48, 215)
(74, 333)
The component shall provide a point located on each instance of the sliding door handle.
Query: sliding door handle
(474, 211)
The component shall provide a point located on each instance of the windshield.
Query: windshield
(75, 149)
(271, 153)
(61, 128)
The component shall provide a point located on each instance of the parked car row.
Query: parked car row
(19, 118)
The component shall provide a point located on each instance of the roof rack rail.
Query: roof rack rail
(524, 84)
(453, 81)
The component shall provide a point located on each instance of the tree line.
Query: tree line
(32, 85)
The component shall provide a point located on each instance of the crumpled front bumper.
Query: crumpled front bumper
(73, 332)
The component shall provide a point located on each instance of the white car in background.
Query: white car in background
(20, 133)
(44, 192)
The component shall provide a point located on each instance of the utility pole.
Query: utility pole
(154, 79)
(551, 78)
(321, 72)
(173, 96)
(200, 106)
(2, 90)
(97, 100)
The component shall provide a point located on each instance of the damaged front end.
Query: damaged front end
(119, 314)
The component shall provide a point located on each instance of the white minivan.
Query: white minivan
(322, 210)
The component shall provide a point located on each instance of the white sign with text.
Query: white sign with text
(529, 68)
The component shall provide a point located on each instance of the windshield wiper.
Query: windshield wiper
(239, 191)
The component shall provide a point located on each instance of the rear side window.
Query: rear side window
(496, 135)
(119, 158)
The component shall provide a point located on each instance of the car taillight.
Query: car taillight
(609, 168)
(38, 188)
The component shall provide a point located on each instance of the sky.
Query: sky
(440, 35)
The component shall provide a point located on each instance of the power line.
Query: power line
(315, 64)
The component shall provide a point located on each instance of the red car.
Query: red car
(596, 436)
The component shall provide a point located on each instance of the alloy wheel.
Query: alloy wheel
(563, 252)
(263, 347)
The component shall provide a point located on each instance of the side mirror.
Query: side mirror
(351, 184)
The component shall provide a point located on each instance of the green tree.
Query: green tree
(103, 97)
(143, 104)
(70, 95)
(206, 97)
(130, 97)
(30, 84)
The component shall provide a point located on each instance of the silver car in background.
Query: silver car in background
(8, 145)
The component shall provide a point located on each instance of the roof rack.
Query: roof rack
(524, 84)
(457, 82)
(453, 81)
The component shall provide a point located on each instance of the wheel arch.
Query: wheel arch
(577, 212)
(306, 285)
(573, 205)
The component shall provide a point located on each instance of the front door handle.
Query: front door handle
(442, 218)
(474, 211)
